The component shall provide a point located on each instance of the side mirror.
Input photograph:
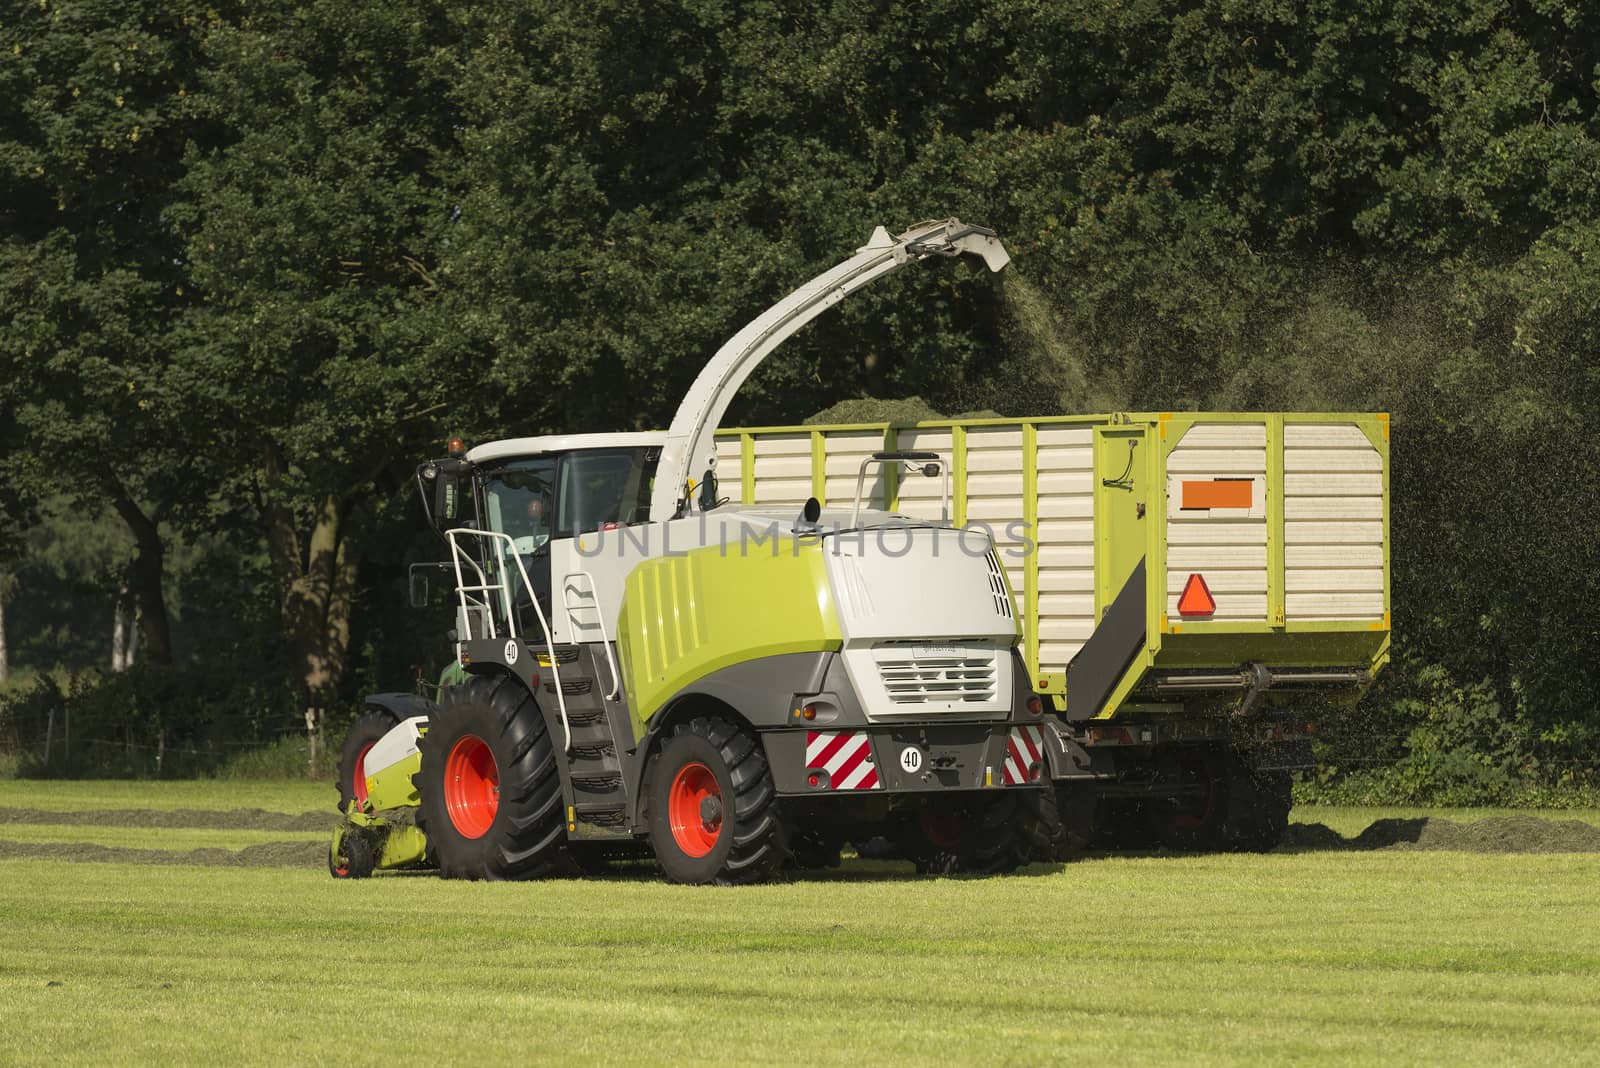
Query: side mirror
(810, 512)
(450, 482)
(419, 589)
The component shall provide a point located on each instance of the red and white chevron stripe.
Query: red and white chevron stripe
(846, 756)
(1024, 748)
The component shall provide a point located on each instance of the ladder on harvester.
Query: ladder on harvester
(477, 604)
(594, 695)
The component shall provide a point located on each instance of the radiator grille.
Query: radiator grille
(965, 675)
(997, 586)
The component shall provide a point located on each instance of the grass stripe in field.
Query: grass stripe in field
(291, 796)
(1323, 958)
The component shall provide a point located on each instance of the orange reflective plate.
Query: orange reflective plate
(1196, 599)
(1219, 493)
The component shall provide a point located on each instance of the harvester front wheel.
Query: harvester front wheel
(363, 735)
(712, 807)
(489, 787)
(351, 856)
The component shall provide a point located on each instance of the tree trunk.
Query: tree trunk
(145, 575)
(122, 631)
(318, 589)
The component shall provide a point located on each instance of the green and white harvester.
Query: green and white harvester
(966, 642)
(650, 669)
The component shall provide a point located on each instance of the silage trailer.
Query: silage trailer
(1195, 589)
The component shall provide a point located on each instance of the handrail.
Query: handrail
(605, 639)
(887, 458)
(497, 537)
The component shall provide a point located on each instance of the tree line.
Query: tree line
(256, 260)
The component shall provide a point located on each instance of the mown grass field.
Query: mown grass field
(1310, 957)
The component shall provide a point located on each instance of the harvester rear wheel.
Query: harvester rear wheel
(363, 735)
(489, 787)
(712, 807)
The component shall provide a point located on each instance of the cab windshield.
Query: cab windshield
(563, 496)
(520, 501)
(603, 488)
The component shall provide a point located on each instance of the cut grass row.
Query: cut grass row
(1322, 958)
(288, 795)
(174, 838)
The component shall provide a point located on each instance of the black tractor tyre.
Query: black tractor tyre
(1039, 827)
(1078, 809)
(812, 850)
(353, 857)
(489, 785)
(712, 808)
(1258, 807)
(363, 734)
(982, 835)
(1237, 809)
(1200, 822)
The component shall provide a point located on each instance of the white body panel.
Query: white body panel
(928, 626)
(511, 448)
(399, 744)
(1226, 545)
(1332, 529)
(1065, 464)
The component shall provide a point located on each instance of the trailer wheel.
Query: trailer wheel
(712, 808)
(979, 835)
(1258, 806)
(489, 787)
(351, 856)
(363, 735)
(1199, 821)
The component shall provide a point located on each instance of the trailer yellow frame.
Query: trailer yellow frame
(1277, 641)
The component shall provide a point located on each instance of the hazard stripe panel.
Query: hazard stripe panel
(1024, 748)
(846, 756)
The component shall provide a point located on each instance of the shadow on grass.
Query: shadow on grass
(1496, 834)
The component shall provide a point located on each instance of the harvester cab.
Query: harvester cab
(655, 669)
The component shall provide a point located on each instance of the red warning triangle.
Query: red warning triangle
(1196, 599)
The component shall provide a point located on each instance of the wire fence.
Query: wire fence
(270, 743)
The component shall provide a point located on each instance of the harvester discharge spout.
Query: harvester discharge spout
(689, 454)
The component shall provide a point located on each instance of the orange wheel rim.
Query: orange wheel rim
(694, 808)
(358, 784)
(471, 786)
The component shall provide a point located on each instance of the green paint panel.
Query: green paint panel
(686, 616)
(392, 787)
(1313, 649)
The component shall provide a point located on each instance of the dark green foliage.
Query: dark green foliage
(254, 264)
